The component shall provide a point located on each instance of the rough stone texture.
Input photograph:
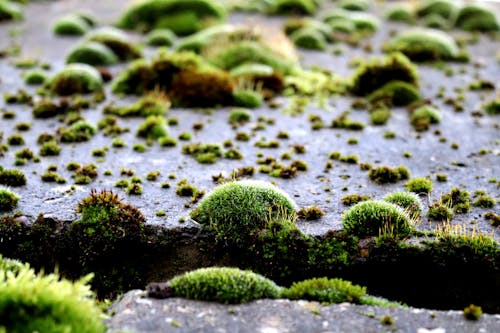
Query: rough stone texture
(135, 313)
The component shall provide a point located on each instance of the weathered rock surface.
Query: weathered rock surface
(136, 313)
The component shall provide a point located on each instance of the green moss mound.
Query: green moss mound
(397, 93)
(475, 17)
(12, 265)
(35, 77)
(224, 284)
(8, 199)
(285, 7)
(309, 38)
(76, 79)
(116, 40)
(373, 217)
(92, 53)
(444, 8)
(360, 21)
(423, 117)
(493, 107)
(378, 71)
(183, 17)
(154, 127)
(237, 209)
(31, 302)
(298, 23)
(324, 290)
(160, 37)
(410, 202)
(355, 5)
(424, 44)
(400, 14)
(71, 25)
(10, 11)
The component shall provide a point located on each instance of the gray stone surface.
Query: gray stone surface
(135, 313)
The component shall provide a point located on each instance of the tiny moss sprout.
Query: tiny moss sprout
(310, 213)
(372, 217)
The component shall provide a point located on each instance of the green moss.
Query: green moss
(76, 79)
(445, 8)
(223, 284)
(92, 53)
(49, 148)
(248, 98)
(371, 218)
(436, 21)
(419, 185)
(424, 44)
(154, 127)
(422, 117)
(8, 200)
(458, 199)
(493, 107)
(47, 303)
(304, 7)
(410, 202)
(160, 37)
(355, 5)
(378, 71)
(10, 11)
(70, 25)
(309, 38)
(354, 198)
(476, 17)
(115, 40)
(35, 77)
(400, 14)
(325, 290)
(310, 213)
(241, 207)
(380, 115)
(396, 93)
(79, 131)
(473, 312)
(183, 17)
(297, 23)
(205, 153)
(386, 174)
(239, 116)
(12, 177)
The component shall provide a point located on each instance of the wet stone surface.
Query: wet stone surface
(473, 166)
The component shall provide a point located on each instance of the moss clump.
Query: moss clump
(104, 214)
(309, 38)
(248, 98)
(12, 177)
(160, 37)
(154, 127)
(351, 21)
(400, 14)
(422, 117)
(34, 302)
(458, 199)
(439, 212)
(117, 41)
(239, 116)
(444, 8)
(8, 200)
(386, 174)
(493, 107)
(424, 44)
(297, 23)
(35, 77)
(10, 11)
(325, 290)
(378, 71)
(473, 312)
(71, 25)
(237, 209)
(79, 131)
(476, 17)
(151, 104)
(303, 7)
(92, 53)
(355, 5)
(76, 79)
(183, 17)
(396, 93)
(372, 217)
(223, 284)
(419, 185)
(410, 202)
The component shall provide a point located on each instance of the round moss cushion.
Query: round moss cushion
(92, 53)
(373, 217)
(238, 208)
(76, 79)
